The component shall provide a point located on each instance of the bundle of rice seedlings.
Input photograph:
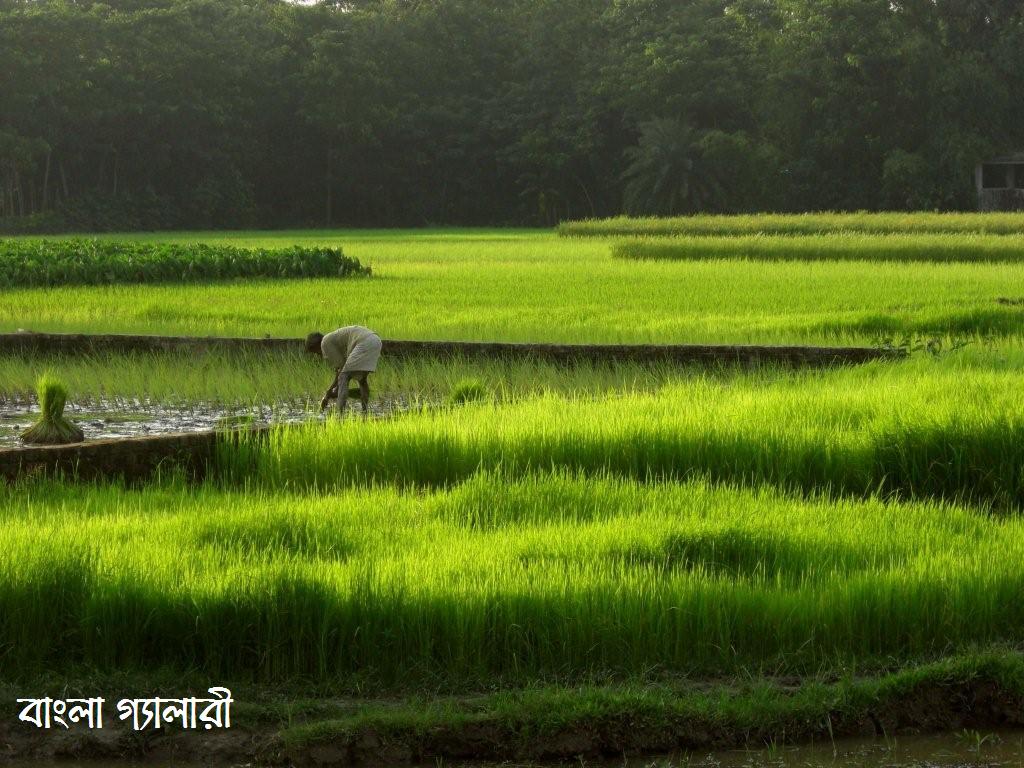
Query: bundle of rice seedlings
(239, 421)
(52, 428)
(468, 391)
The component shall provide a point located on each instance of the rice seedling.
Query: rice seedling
(833, 247)
(28, 262)
(495, 580)
(177, 378)
(918, 222)
(52, 428)
(923, 431)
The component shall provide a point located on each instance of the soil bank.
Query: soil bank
(24, 342)
(979, 692)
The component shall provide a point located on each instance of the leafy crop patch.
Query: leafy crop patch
(50, 263)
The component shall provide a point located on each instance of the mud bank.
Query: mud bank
(683, 354)
(548, 724)
(154, 438)
(132, 459)
(611, 726)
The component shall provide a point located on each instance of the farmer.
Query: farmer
(353, 352)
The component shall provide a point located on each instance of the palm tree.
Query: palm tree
(665, 174)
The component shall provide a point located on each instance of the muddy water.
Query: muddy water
(133, 418)
(968, 749)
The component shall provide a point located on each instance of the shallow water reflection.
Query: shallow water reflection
(967, 749)
(134, 418)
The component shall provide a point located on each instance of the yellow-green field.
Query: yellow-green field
(535, 286)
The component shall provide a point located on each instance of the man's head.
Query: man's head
(313, 342)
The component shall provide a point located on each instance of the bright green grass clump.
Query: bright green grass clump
(919, 431)
(801, 224)
(52, 428)
(29, 262)
(504, 285)
(497, 580)
(469, 390)
(845, 247)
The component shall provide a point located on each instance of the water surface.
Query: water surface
(135, 418)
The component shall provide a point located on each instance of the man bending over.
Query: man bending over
(353, 352)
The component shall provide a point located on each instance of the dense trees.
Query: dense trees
(219, 113)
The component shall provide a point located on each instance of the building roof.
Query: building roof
(1017, 157)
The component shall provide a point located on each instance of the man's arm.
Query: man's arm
(331, 393)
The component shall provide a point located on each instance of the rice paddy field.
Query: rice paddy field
(612, 527)
(842, 246)
(498, 580)
(882, 223)
(501, 285)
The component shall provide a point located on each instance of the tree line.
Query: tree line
(151, 114)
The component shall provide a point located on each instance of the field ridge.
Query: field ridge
(972, 691)
(824, 223)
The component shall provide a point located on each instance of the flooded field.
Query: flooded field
(134, 418)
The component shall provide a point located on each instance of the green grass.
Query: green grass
(839, 247)
(63, 262)
(925, 428)
(498, 581)
(917, 222)
(534, 286)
